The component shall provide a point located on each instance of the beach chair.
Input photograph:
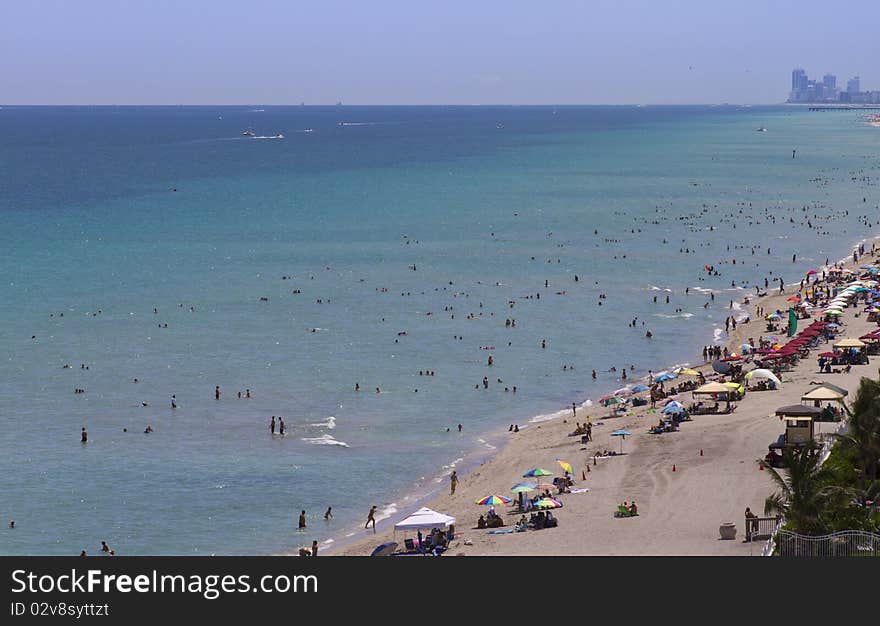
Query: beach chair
(410, 545)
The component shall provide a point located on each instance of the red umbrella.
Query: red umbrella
(828, 355)
(768, 357)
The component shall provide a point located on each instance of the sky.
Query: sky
(428, 51)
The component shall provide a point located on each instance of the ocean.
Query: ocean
(368, 246)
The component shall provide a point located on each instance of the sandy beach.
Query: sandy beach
(715, 474)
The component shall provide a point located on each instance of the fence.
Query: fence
(845, 543)
(760, 527)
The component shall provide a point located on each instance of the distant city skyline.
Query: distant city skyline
(804, 90)
(398, 52)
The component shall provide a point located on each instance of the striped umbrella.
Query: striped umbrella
(523, 487)
(494, 500)
(548, 503)
(538, 471)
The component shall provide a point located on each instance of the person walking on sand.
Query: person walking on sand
(453, 481)
(302, 520)
(371, 517)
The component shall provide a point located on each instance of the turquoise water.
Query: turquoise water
(486, 202)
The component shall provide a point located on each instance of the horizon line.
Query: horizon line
(389, 104)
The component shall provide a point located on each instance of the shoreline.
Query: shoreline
(361, 545)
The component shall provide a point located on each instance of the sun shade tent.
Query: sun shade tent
(849, 343)
(712, 388)
(823, 394)
(763, 373)
(425, 518)
(798, 410)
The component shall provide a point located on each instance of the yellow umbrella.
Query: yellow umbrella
(565, 465)
(689, 372)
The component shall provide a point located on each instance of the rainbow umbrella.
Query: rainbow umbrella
(565, 465)
(548, 503)
(494, 500)
(537, 472)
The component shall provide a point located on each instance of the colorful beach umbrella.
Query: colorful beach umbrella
(639, 388)
(538, 471)
(548, 503)
(523, 487)
(494, 500)
(673, 407)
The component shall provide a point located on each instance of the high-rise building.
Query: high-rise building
(830, 81)
(798, 79)
(853, 85)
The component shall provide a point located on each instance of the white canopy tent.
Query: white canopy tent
(425, 518)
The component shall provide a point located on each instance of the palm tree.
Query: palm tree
(802, 496)
(863, 431)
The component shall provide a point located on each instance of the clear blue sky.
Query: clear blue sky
(428, 51)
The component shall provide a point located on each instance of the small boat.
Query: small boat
(309, 130)
(762, 130)
(249, 132)
(279, 136)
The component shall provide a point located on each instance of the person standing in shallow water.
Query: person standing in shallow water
(302, 520)
(217, 392)
(371, 517)
(85, 435)
(272, 425)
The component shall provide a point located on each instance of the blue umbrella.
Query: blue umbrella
(673, 407)
(665, 377)
(639, 388)
(622, 434)
(385, 549)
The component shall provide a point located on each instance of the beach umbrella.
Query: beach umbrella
(664, 378)
(639, 388)
(548, 503)
(794, 299)
(622, 391)
(773, 316)
(565, 465)
(689, 372)
(811, 272)
(538, 471)
(833, 325)
(385, 549)
(721, 367)
(494, 500)
(523, 487)
(612, 400)
(673, 407)
(622, 434)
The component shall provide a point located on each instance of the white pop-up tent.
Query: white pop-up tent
(425, 519)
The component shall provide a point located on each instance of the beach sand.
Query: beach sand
(679, 511)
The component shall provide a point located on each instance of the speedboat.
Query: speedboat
(762, 130)
(249, 132)
(279, 136)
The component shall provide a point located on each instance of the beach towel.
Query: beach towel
(501, 531)
(584, 490)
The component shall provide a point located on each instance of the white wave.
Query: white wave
(325, 440)
(737, 306)
(452, 465)
(655, 288)
(328, 541)
(702, 289)
(356, 123)
(671, 316)
(718, 335)
(387, 512)
(267, 137)
(329, 423)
